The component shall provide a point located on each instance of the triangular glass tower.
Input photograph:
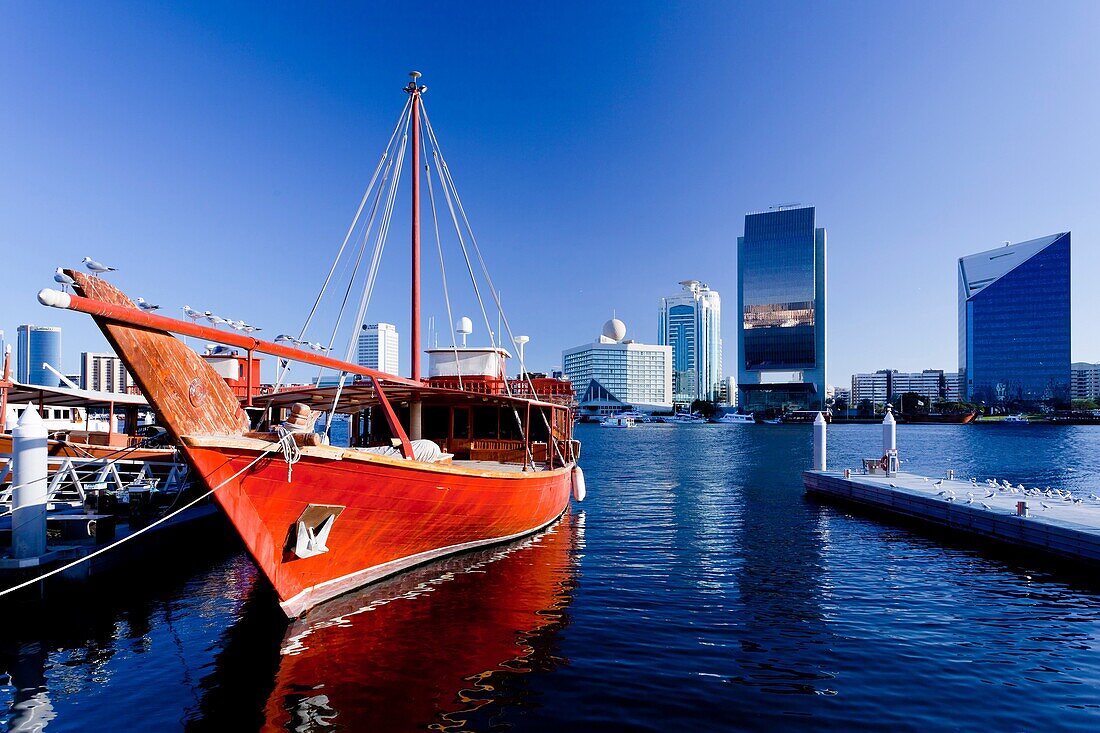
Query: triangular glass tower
(1014, 323)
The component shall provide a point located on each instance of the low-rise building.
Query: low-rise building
(1085, 382)
(886, 385)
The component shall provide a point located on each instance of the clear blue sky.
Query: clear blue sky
(604, 151)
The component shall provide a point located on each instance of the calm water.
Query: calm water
(695, 588)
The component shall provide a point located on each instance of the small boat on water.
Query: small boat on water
(617, 421)
(1015, 419)
(461, 460)
(736, 418)
(684, 418)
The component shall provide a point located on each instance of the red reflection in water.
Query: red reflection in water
(426, 648)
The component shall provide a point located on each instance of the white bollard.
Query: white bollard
(29, 482)
(819, 443)
(889, 432)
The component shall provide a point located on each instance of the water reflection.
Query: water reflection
(432, 647)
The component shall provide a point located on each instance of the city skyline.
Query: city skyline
(211, 139)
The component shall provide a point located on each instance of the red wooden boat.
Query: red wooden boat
(321, 520)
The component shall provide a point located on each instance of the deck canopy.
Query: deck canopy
(68, 397)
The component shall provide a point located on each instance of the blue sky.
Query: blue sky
(604, 152)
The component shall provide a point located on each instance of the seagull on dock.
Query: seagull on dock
(991, 494)
(986, 506)
(893, 486)
(950, 498)
(146, 306)
(941, 493)
(970, 500)
(59, 276)
(1043, 504)
(938, 483)
(96, 267)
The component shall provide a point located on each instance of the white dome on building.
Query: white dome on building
(614, 330)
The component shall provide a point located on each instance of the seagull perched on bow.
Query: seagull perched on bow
(96, 267)
(317, 346)
(284, 337)
(191, 313)
(235, 325)
(59, 276)
(215, 320)
(146, 306)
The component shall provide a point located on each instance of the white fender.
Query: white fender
(578, 484)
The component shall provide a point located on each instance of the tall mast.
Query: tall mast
(415, 90)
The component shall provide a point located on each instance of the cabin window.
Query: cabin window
(486, 422)
(434, 422)
(461, 423)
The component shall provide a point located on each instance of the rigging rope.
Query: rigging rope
(347, 237)
(372, 274)
(274, 447)
(443, 170)
(442, 266)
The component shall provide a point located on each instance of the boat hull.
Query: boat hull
(392, 514)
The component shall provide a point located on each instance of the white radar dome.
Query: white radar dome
(614, 329)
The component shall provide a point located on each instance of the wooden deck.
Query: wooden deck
(1054, 525)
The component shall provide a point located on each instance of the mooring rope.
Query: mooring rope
(280, 445)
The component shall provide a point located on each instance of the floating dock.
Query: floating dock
(1052, 524)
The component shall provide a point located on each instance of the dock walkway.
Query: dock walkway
(1054, 525)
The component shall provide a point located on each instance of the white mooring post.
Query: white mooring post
(889, 432)
(29, 485)
(819, 442)
(890, 441)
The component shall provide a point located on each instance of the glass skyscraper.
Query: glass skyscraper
(691, 323)
(37, 345)
(781, 308)
(1014, 319)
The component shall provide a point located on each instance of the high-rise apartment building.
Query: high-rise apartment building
(1014, 322)
(614, 373)
(691, 323)
(104, 373)
(781, 310)
(378, 346)
(35, 346)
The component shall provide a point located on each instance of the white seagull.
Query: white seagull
(191, 313)
(215, 320)
(986, 506)
(60, 277)
(96, 267)
(146, 306)
(284, 337)
(938, 483)
(317, 346)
